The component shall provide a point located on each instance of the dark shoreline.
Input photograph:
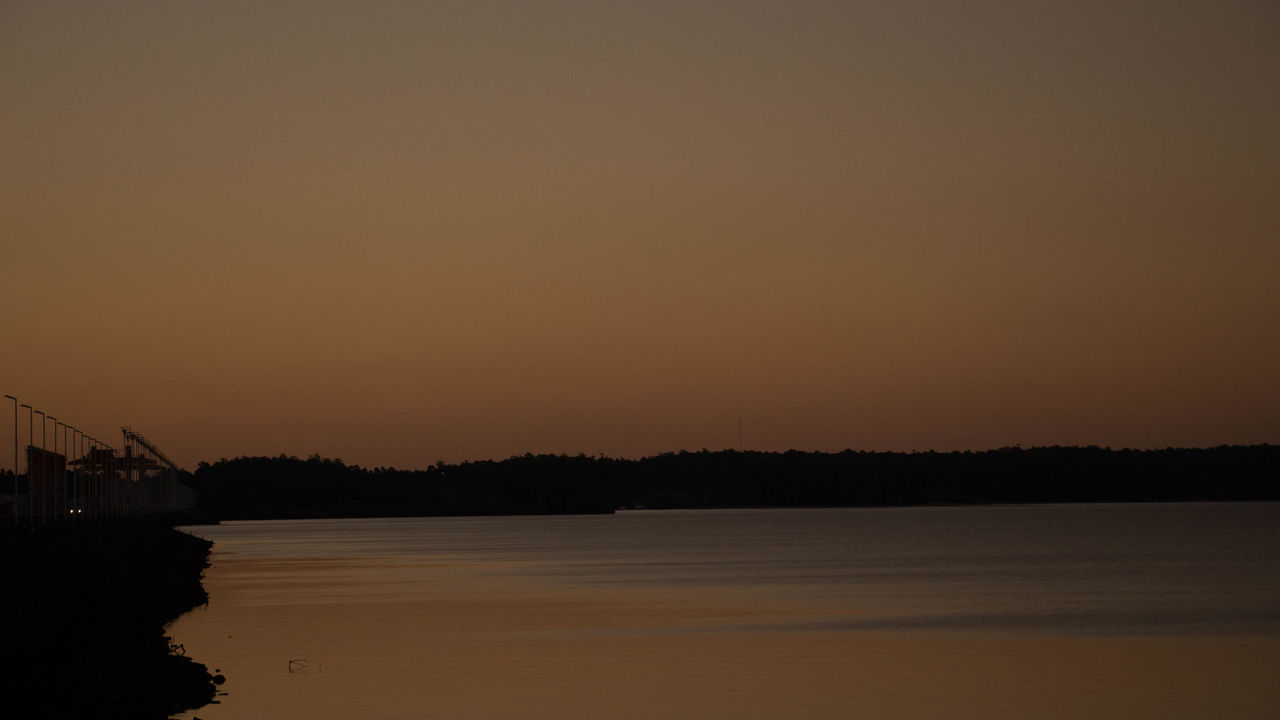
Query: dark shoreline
(83, 616)
(259, 488)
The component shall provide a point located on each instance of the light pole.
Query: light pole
(31, 439)
(55, 467)
(71, 469)
(104, 485)
(111, 488)
(44, 440)
(91, 472)
(100, 477)
(76, 438)
(93, 490)
(132, 476)
(105, 482)
(15, 459)
(75, 448)
(67, 437)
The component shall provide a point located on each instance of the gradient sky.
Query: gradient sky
(399, 232)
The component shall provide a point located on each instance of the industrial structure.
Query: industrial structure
(74, 475)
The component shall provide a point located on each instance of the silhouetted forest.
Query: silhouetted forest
(284, 487)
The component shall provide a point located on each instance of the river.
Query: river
(1056, 611)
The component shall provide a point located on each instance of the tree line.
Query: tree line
(290, 487)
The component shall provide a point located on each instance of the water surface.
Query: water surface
(1161, 610)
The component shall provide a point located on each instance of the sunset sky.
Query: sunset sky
(403, 232)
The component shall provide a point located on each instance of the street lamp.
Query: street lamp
(75, 475)
(55, 467)
(99, 477)
(44, 440)
(15, 459)
(68, 475)
(100, 464)
(108, 478)
(91, 485)
(66, 468)
(31, 439)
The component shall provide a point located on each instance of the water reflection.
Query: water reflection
(1121, 611)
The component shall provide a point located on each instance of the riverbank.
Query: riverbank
(83, 616)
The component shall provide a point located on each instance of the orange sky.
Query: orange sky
(402, 232)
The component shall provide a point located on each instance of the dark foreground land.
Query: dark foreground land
(82, 617)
